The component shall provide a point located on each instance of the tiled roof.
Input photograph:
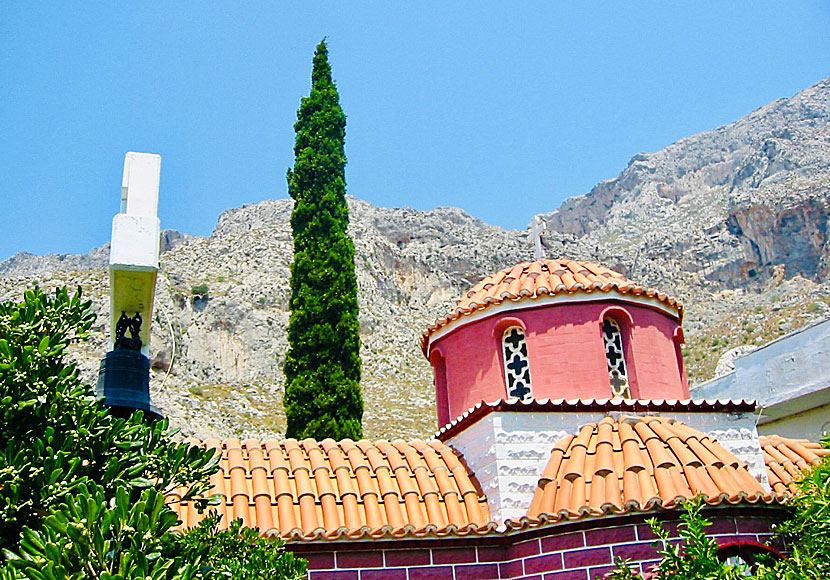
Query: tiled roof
(787, 459)
(638, 463)
(312, 490)
(514, 405)
(545, 277)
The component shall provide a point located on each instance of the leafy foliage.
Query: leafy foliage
(694, 558)
(237, 552)
(322, 366)
(807, 531)
(82, 494)
(93, 536)
(56, 436)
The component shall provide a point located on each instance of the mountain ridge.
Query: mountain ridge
(732, 220)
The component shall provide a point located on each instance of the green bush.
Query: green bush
(237, 552)
(199, 290)
(807, 532)
(92, 535)
(694, 558)
(81, 492)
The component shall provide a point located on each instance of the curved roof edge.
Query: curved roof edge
(546, 277)
(638, 463)
(260, 497)
(513, 405)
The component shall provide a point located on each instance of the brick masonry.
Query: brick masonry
(553, 554)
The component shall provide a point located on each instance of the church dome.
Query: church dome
(547, 278)
(556, 329)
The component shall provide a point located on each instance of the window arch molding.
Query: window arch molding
(679, 339)
(442, 395)
(511, 334)
(620, 315)
(505, 323)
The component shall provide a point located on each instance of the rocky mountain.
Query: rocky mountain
(725, 207)
(23, 263)
(733, 220)
(222, 309)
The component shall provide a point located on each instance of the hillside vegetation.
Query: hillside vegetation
(734, 221)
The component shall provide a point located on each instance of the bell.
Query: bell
(124, 384)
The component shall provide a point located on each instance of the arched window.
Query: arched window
(615, 355)
(441, 395)
(749, 554)
(516, 364)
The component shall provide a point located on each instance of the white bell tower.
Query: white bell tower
(124, 378)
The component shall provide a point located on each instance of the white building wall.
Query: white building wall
(813, 425)
(790, 380)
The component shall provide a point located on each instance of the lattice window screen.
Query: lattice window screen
(615, 356)
(516, 364)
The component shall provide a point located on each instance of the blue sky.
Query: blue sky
(502, 109)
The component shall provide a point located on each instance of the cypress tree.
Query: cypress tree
(322, 365)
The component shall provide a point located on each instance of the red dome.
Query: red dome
(545, 277)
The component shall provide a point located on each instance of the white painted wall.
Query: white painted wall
(813, 425)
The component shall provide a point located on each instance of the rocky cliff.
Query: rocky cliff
(222, 310)
(733, 220)
(726, 206)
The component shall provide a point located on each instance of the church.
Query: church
(564, 423)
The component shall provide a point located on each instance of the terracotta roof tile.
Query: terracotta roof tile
(788, 459)
(544, 277)
(307, 490)
(637, 463)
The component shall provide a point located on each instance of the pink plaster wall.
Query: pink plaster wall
(566, 353)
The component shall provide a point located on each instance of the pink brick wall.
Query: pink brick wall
(573, 555)
(566, 352)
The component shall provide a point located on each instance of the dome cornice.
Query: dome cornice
(543, 280)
